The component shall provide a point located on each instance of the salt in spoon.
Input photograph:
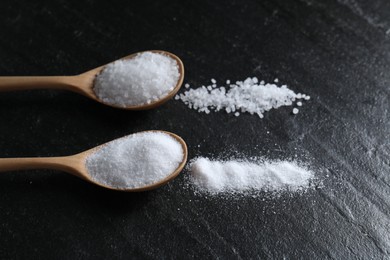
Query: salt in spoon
(76, 165)
(83, 83)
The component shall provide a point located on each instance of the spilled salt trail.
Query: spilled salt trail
(250, 96)
(232, 176)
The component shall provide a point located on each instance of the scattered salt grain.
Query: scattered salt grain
(228, 82)
(299, 103)
(187, 85)
(141, 80)
(276, 80)
(213, 81)
(136, 160)
(295, 111)
(244, 96)
(216, 177)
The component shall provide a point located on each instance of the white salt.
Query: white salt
(242, 176)
(248, 96)
(135, 161)
(295, 111)
(143, 79)
(299, 103)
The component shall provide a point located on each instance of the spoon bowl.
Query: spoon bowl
(83, 83)
(76, 165)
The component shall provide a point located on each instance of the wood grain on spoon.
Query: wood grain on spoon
(83, 83)
(76, 165)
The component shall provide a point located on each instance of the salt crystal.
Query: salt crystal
(187, 85)
(213, 81)
(247, 81)
(143, 79)
(276, 80)
(228, 82)
(135, 161)
(299, 103)
(295, 111)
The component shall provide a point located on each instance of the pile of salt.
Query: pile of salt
(147, 77)
(136, 160)
(249, 96)
(233, 176)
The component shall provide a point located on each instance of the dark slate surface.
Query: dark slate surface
(336, 51)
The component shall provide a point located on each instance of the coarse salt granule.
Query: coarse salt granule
(135, 161)
(249, 96)
(147, 77)
(295, 111)
(233, 176)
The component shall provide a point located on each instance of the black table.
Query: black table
(336, 51)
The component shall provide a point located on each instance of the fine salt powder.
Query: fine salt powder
(141, 80)
(249, 96)
(136, 160)
(216, 177)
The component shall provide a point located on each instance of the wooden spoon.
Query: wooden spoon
(76, 165)
(83, 83)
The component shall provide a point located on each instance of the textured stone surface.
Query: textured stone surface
(335, 51)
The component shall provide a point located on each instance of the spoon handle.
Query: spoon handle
(37, 82)
(55, 163)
